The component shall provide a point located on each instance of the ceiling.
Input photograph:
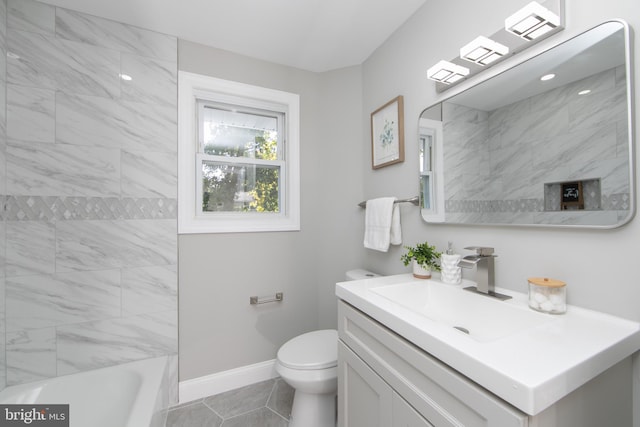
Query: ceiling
(314, 35)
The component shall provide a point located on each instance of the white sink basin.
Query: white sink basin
(527, 358)
(480, 317)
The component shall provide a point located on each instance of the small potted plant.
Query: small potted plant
(425, 259)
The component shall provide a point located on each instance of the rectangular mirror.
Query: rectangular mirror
(518, 149)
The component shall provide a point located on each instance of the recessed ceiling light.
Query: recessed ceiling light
(547, 77)
(532, 21)
(584, 92)
(483, 51)
(126, 77)
(447, 72)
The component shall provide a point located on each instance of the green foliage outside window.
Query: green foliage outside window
(221, 186)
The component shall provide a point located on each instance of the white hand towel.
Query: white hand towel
(382, 224)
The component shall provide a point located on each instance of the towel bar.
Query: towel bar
(256, 300)
(413, 200)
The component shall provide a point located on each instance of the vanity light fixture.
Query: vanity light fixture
(447, 72)
(483, 51)
(532, 21)
(547, 77)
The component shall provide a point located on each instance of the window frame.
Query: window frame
(193, 88)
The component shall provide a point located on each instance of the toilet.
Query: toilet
(309, 364)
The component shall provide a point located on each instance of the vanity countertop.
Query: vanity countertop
(530, 368)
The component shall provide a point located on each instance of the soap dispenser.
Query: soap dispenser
(450, 272)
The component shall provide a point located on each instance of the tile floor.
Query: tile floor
(264, 404)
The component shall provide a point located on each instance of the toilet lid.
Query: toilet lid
(313, 350)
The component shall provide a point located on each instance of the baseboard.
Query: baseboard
(200, 387)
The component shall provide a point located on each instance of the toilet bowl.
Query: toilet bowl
(309, 364)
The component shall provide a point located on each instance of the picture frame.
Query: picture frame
(387, 134)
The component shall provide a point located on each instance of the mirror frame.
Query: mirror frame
(435, 216)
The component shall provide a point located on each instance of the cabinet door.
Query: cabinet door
(364, 399)
(439, 394)
(405, 416)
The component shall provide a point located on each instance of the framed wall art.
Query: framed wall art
(387, 134)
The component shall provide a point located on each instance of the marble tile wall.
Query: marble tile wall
(3, 175)
(497, 162)
(89, 185)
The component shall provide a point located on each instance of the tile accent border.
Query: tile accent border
(43, 208)
(613, 202)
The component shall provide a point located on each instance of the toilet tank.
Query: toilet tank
(360, 273)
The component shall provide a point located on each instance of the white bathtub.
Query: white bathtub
(122, 396)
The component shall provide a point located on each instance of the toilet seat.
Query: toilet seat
(310, 351)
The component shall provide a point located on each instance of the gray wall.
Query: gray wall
(598, 266)
(219, 330)
(89, 184)
(218, 272)
(396, 68)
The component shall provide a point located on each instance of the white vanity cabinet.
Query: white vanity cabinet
(368, 400)
(386, 381)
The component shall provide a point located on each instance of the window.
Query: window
(431, 170)
(238, 157)
(241, 158)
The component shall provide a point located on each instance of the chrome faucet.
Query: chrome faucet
(483, 260)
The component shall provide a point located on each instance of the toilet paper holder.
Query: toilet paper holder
(263, 300)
